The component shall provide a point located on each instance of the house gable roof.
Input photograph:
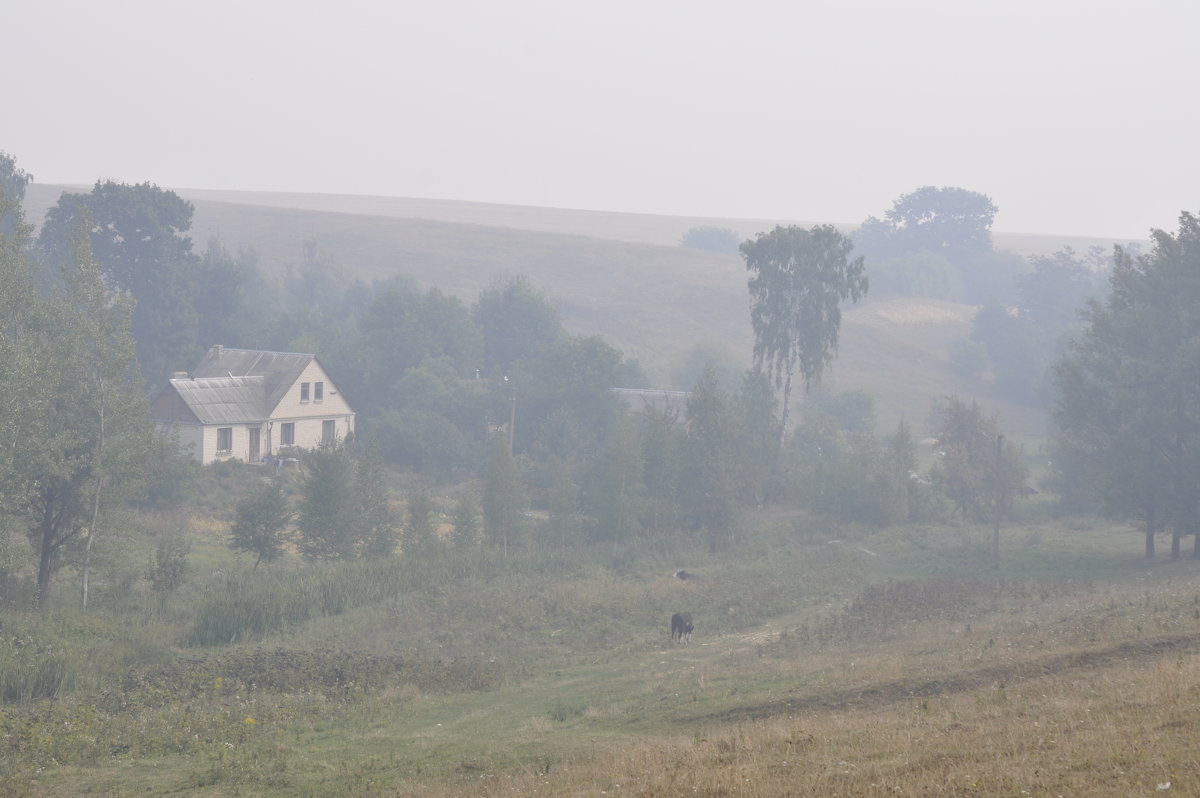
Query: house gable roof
(223, 400)
(278, 370)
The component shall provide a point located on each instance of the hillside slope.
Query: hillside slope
(626, 280)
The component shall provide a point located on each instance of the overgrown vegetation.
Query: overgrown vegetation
(473, 591)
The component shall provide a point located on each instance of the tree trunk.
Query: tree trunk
(87, 564)
(997, 503)
(1150, 530)
(783, 415)
(91, 533)
(1176, 547)
(996, 542)
(46, 550)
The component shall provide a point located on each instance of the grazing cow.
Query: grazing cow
(681, 627)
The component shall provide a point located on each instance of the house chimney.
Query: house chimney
(218, 350)
(179, 375)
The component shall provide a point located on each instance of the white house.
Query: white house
(247, 404)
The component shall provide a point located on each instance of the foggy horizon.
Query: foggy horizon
(1069, 116)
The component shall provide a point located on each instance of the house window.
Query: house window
(327, 431)
(224, 440)
(304, 392)
(287, 434)
(318, 391)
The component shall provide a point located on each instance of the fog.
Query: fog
(1072, 116)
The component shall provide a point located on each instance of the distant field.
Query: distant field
(619, 275)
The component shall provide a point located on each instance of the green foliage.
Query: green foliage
(167, 570)
(969, 357)
(921, 273)
(566, 404)
(709, 471)
(376, 520)
(711, 238)
(517, 322)
(435, 422)
(504, 499)
(1128, 391)
(952, 222)
(853, 411)
(464, 523)
(171, 474)
(977, 469)
(847, 475)
(662, 435)
(757, 445)
(729, 366)
(420, 533)
(82, 434)
(35, 664)
(13, 181)
(1059, 286)
(327, 518)
(139, 236)
(260, 521)
(799, 279)
(401, 329)
(1017, 352)
(614, 488)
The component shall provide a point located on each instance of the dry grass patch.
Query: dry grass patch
(1121, 731)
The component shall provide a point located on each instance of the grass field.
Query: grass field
(825, 662)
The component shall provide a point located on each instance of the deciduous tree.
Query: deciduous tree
(978, 470)
(504, 500)
(139, 236)
(799, 280)
(81, 428)
(1127, 407)
(260, 521)
(328, 518)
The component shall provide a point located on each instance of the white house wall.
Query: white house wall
(309, 416)
(190, 437)
(240, 445)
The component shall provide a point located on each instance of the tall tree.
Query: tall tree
(138, 234)
(1127, 408)
(13, 181)
(799, 279)
(84, 431)
(952, 222)
(517, 322)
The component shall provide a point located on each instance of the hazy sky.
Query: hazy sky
(1074, 117)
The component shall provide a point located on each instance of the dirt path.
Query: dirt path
(1138, 651)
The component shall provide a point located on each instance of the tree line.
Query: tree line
(498, 394)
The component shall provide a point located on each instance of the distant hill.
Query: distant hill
(620, 275)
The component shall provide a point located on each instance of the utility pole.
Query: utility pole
(512, 419)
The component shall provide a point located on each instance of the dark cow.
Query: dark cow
(681, 627)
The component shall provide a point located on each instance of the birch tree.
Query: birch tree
(799, 280)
